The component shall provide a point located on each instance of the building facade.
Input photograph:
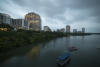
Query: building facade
(74, 30)
(34, 21)
(61, 30)
(5, 18)
(79, 31)
(83, 30)
(68, 29)
(46, 28)
(20, 24)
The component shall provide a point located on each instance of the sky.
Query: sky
(57, 13)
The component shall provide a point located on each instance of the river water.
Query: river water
(45, 54)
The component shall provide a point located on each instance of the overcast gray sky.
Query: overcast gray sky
(57, 13)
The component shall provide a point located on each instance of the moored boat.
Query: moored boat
(72, 49)
(63, 59)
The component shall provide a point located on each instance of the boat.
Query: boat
(72, 48)
(63, 59)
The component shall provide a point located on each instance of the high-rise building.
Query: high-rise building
(74, 30)
(46, 28)
(61, 30)
(68, 29)
(20, 24)
(58, 30)
(34, 21)
(5, 18)
(79, 31)
(83, 30)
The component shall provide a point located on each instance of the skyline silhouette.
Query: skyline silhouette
(57, 14)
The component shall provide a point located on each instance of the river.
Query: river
(45, 54)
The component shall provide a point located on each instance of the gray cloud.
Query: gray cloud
(58, 13)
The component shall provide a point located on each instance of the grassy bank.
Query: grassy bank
(15, 39)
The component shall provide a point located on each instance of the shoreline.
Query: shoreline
(15, 39)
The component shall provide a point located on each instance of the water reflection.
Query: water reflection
(34, 52)
(68, 43)
(45, 54)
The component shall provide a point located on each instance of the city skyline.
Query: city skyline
(57, 14)
(31, 21)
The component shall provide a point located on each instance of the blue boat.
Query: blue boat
(63, 59)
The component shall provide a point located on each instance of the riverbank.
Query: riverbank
(14, 39)
(80, 34)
